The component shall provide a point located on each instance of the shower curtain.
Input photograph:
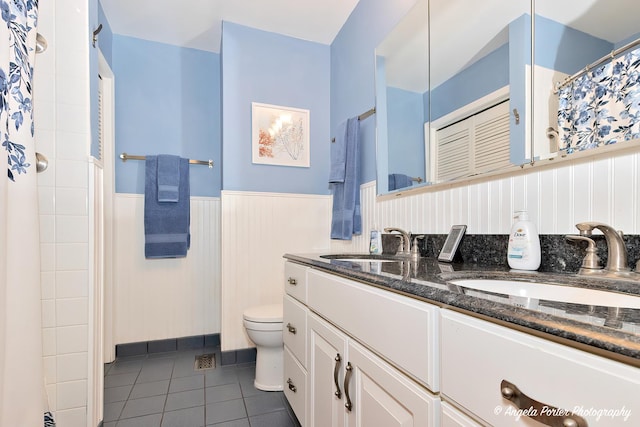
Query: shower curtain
(21, 377)
(602, 106)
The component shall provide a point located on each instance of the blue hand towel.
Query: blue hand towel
(166, 224)
(338, 154)
(346, 216)
(398, 180)
(168, 178)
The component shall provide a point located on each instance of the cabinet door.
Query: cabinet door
(451, 417)
(327, 358)
(381, 396)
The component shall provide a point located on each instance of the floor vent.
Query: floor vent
(205, 361)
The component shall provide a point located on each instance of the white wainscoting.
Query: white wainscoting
(604, 190)
(165, 298)
(257, 230)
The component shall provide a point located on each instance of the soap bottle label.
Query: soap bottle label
(518, 243)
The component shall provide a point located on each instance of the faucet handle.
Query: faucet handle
(591, 261)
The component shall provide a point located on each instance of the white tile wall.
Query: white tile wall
(61, 114)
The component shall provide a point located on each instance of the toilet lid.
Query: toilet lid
(271, 313)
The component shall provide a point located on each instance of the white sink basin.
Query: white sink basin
(549, 292)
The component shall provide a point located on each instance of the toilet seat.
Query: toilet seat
(271, 313)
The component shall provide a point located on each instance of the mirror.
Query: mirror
(479, 91)
(569, 36)
(422, 104)
(402, 107)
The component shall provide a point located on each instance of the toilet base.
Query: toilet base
(269, 361)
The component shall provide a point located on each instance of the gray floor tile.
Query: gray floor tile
(112, 411)
(150, 373)
(120, 379)
(184, 399)
(264, 403)
(220, 376)
(111, 424)
(146, 421)
(273, 419)
(186, 383)
(125, 367)
(117, 394)
(235, 423)
(225, 411)
(155, 388)
(246, 373)
(248, 389)
(221, 393)
(143, 406)
(191, 417)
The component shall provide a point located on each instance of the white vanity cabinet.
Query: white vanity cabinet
(349, 384)
(294, 332)
(478, 355)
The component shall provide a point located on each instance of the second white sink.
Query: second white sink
(546, 291)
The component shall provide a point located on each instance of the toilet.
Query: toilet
(264, 326)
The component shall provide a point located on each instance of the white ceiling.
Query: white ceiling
(197, 23)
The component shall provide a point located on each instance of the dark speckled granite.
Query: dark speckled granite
(610, 331)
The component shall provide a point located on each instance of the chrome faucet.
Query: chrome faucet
(617, 266)
(405, 243)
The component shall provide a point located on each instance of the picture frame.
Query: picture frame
(280, 135)
(451, 244)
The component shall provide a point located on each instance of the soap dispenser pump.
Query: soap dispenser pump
(523, 252)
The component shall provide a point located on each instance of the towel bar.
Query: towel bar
(125, 157)
(362, 117)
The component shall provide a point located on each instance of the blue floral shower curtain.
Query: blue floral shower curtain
(602, 106)
(21, 378)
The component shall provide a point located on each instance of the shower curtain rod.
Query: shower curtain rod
(361, 117)
(591, 66)
(124, 157)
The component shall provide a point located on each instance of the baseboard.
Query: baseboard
(172, 344)
(236, 357)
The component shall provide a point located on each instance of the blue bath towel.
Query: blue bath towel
(166, 224)
(398, 180)
(346, 217)
(338, 154)
(168, 178)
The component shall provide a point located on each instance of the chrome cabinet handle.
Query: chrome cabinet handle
(338, 393)
(292, 387)
(292, 281)
(291, 328)
(541, 412)
(347, 377)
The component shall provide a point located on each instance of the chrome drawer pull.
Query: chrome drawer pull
(545, 414)
(292, 281)
(291, 386)
(291, 328)
(347, 377)
(336, 370)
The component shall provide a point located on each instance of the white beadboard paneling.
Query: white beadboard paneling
(257, 230)
(165, 298)
(624, 170)
(556, 197)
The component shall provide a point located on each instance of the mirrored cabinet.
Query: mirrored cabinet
(457, 95)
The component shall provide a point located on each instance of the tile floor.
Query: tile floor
(164, 390)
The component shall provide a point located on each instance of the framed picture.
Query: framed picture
(279, 135)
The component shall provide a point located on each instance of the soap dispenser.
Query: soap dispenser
(523, 252)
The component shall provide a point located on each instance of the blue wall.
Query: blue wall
(486, 75)
(167, 102)
(405, 122)
(353, 69)
(269, 68)
(566, 49)
(105, 38)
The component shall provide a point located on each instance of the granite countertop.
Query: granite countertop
(612, 332)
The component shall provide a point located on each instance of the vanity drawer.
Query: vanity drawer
(477, 355)
(294, 328)
(295, 281)
(400, 329)
(295, 386)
